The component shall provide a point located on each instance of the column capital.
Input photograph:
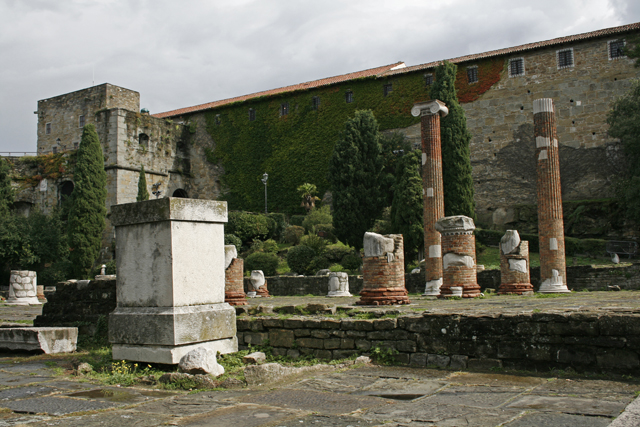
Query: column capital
(430, 107)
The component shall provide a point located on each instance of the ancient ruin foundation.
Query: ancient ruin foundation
(514, 265)
(432, 189)
(459, 260)
(233, 277)
(258, 284)
(170, 283)
(338, 284)
(553, 272)
(383, 270)
(23, 288)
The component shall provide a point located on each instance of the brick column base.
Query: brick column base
(234, 283)
(514, 265)
(263, 291)
(459, 260)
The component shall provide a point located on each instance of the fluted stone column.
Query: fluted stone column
(553, 272)
(514, 265)
(459, 260)
(23, 288)
(432, 189)
(233, 277)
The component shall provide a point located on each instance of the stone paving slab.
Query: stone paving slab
(246, 415)
(55, 405)
(8, 380)
(558, 420)
(570, 405)
(116, 418)
(24, 392)
(474, 396)
(327, 421)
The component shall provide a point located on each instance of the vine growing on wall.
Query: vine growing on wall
(48, 166)
(489, 73)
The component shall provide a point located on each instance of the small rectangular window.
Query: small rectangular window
(47, 128)
(252, 115)
(55, 150)
(516, 67)
(428, 79)
(472, 74)
(284, 109)
(315, 102)
(81, 121)
(565, 58)
(616, 49)
(386, 89)
(348, 97)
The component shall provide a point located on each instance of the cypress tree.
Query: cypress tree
(88, 211)
(407, 206)
(455, 137)
(143, 194)
(6, 191)
(354, 173)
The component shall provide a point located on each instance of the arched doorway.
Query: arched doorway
(64, 190)
(180, 192)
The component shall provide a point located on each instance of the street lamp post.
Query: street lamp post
(264, 179)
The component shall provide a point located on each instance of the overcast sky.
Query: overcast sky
(184, 53)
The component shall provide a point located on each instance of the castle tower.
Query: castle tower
(432, 189)
(553, 272)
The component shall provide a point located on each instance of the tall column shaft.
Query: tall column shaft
(432, 190)
(550, 224)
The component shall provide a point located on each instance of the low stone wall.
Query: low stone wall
(78, 303)
(584, 342)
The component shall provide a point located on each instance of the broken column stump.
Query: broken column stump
(383, 271)
(514, 265)
(459, 260)
(170, 282)
(23, 290)
(233, 277)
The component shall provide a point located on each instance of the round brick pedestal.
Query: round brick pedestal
(233, 283)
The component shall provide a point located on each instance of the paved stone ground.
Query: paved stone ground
(30, 393)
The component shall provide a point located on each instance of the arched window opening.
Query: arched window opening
(64, 190)
(180, 193)
(143, 139)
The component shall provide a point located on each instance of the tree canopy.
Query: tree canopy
(354, 174)
(87, 215)
(455, 137)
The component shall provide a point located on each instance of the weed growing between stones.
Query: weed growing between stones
(383, 355)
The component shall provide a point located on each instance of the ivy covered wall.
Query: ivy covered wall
(295, 148)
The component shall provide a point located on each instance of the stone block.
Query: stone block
(170, 355)
(346, 343)
(255, 338)
(281, 338)
(357, 325)
(310, 343)
(618, 360)
(418, 359)
(459, 362)
(333, 343)
(438, 360)
(384, 324)
(484, 364)
(406, 346)
(343, 354)
(319, 333)
(47, 340)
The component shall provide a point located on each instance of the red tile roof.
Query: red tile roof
(398, 68)
(521, 48)
(300, 86)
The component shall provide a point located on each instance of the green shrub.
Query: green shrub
(232, 239)
(336, 267)
(293, 234)
(269, 246)
(299, 258)
(335, 253)
(593, 247)
(315, 242)
(297, 219)
(248, 226)
(267, 262)
(351, 261)
(318, 262)
(280, 223)
(326, 231)
(488, 237)
(317, 216)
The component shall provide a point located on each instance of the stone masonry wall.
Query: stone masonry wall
(581, 341)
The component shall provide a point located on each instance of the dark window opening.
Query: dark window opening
(81, 121)
(516, 67)
(472, 74)
(428, 79)
(616, 49)
(284, 109)
(47, 128)
(348, 96)
(252, 114)
(315, 102)
(143, 139)
(565, 58)
(55, 150)
(180, 193)
(64, 190)
(386, 89)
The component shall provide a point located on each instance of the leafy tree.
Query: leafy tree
(6, 191)
(632, 50)
(88, 211)
(456, 160)
(354, 173)
(393, 147)
(143, 193)
(307, 192)
(407, 207)
(624, 123)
